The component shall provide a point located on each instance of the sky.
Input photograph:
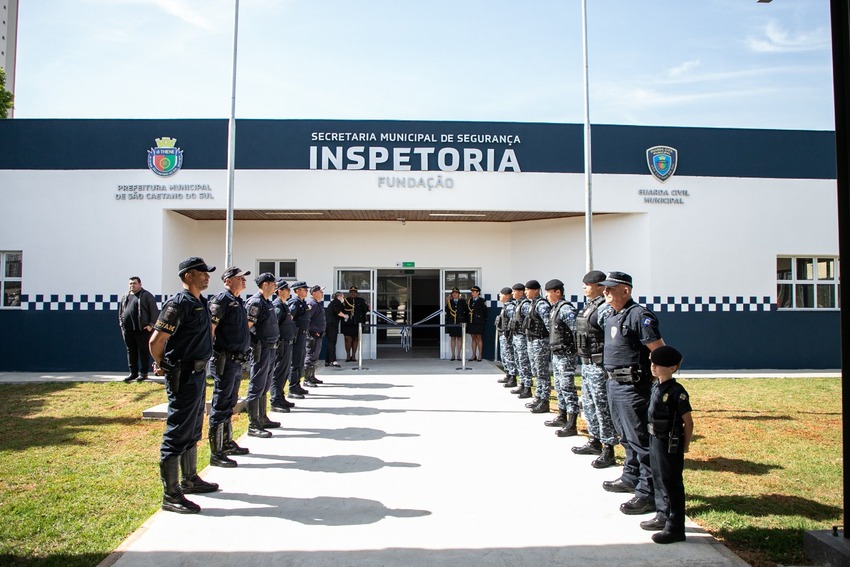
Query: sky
(710, 63)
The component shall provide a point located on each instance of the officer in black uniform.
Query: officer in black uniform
(265, 335)
(300, 312)
(283, 360)
(181, 346)
(231, 349)
(631, 333)
(315, 304)
(671, 427)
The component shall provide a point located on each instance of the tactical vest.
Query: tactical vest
(502, 322)
(590, 337)
(517, 321)
(561, 339)
(533, 325)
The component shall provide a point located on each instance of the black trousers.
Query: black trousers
(629, 404)
(330, 345)
(280, 372)
(138, 351)
(669, 488)
(299, 353)
(185, 419)
(225, 389)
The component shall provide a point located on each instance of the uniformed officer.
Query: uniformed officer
(457, 314)
(357, 309)
(301, 315)
(520, 343)
(503, 330)
(181, 346)
(590, 342)
(562, 325)
(283, 357)
(671, 427)
(477, 310)
(231, 349)
(318, 323)
(631, 333)
(536, 328)
(265, 335)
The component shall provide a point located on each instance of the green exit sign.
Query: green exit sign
(405, 264)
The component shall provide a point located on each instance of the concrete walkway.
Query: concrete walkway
(407, 466)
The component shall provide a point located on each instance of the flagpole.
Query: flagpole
(588, 206)
(231, 145)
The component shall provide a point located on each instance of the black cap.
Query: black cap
(666, 356)
(552, 284)
(352, 288)
(316, 288)
(593, 277)
(263, 278)
(475, 288)
(505, 291)
(532, 284)
(298, 285)
(455, 290)
(281, 284)
(518, 287)
(617, 278)
(232, 272)
(194, 263)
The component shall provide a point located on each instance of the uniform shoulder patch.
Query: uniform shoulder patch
(647, 321)
(683, 396)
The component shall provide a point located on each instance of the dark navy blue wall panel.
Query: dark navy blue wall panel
(66, 341)
(108, 144)
(285, 144)
(776, 339)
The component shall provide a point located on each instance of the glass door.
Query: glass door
(364, 280)
(463, 279)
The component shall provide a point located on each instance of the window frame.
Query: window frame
(277, 271)
(4, 279)
(796, 281)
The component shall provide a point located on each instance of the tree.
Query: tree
(7, 99)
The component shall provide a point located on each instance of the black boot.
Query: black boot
(517, 390)
(192, 483)
(172, 496)
(606, 459)
(255, 426)
(264, 418)
(592, 447)
(542, 406)
(533, 402)
(569, 429)
(310, 376)
(230, 446)
(511, 383)
(504, 379)
(281, 406)
(559, 421)
(218, 458)
(524, 393)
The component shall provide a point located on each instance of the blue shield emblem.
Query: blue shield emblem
(662, 161)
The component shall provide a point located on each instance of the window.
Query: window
(807, 282)
(11, 272)
(463, 280)
(280, 268)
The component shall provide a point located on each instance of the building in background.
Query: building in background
(730, 235)
(8, 42)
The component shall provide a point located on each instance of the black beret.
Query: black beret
(505, 291)
(666, 356)
(532, 284)
(552, 284)
(518, 287)
(593, 277)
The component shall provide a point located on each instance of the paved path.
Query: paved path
(402, 465)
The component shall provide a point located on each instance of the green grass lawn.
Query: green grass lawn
(78, 466)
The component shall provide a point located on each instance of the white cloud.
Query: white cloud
(182, 10)
(775, 39)
(684, 68)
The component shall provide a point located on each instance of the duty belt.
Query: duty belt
(625, 375)
(238, 357)
(193, 365)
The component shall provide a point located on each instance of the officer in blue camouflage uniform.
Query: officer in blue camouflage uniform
(535, 325)
(631, 333)
(590, 342)
(265, 335)
(318, 324)
(520, 344)
(181, 346)
(300, 312)
(231, 349)
(562, 325)
(283, 359)
(503, 330)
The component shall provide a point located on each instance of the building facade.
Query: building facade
(730, 235)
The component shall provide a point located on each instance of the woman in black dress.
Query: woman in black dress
(477, 319)
(457, 313)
